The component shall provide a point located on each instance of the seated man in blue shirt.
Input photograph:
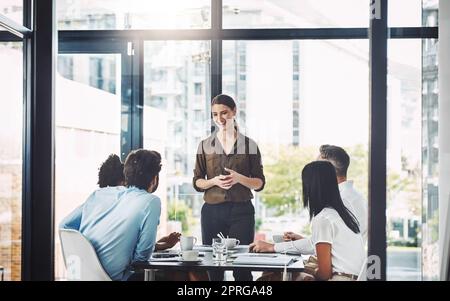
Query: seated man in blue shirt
(111, 175)
(120, 222)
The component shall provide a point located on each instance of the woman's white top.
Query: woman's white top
(347, 247)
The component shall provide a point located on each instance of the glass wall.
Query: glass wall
(405, 13)
(412, 13)
(404, 168)
(11, 117)
(13, 9)
(295, 13)
(133, 14)
(88, 125)
(413, 152)
(430, 147)
(311, 92)
(176, 110)
(292, 97)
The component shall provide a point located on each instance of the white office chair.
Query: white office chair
(80, 258)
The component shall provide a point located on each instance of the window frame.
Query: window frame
(39, 57)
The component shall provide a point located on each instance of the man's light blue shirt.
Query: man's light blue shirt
(121, 225)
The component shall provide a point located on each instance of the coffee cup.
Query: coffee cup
(190, 255)
(231, 242)
(277, 238)
(187, 242)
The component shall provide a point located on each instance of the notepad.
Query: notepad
(264, 260)
(266, 255)
(203, 248)
(172, 259)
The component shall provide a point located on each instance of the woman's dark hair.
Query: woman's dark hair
(320, 190)
(141, 166)
(223, 99)
(111, 172)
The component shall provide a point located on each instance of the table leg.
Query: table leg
(149, 274)
(287, 276)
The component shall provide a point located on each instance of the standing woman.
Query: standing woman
(228, 166)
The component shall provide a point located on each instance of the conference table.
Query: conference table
(257, 262)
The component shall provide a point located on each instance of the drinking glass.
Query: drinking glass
(219, 248)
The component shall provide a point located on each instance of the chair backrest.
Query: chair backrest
(80, 258)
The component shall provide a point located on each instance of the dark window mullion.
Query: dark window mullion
(136, 110)
(26, 143)
(126, 132)
(38, 198)
(106, 36)
(216, 48)
(28, 14)
(377, 145)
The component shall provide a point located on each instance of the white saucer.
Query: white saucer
(239, 247)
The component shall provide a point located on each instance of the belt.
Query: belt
(351, 276)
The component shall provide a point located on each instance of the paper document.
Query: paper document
(173, 259)
(266, 255)
(275, 260)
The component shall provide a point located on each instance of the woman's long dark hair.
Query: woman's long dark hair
(320, 190)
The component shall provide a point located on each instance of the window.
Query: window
(430, 13)
(318, 87)
(430, 160)
(198, 89)
(403, 13)
(409, 13)
(13, 9)
(199, 115)
(412, 13)
(296, 120)
(11, 117)
(97, 71)
(136, 14)
(199, 69)
(295, 13)
(176, 129)
(333, 102)
(412, 131)
(295, 70)
(65, 66)
(88, 126)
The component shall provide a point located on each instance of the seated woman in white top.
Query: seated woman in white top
(336, 236)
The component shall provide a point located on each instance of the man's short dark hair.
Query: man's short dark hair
(337, 156)
(141, 166)
(111, 172)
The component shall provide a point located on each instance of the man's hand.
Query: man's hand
(262, 247)
(172, 239)
(292, 236)
(168, 241)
